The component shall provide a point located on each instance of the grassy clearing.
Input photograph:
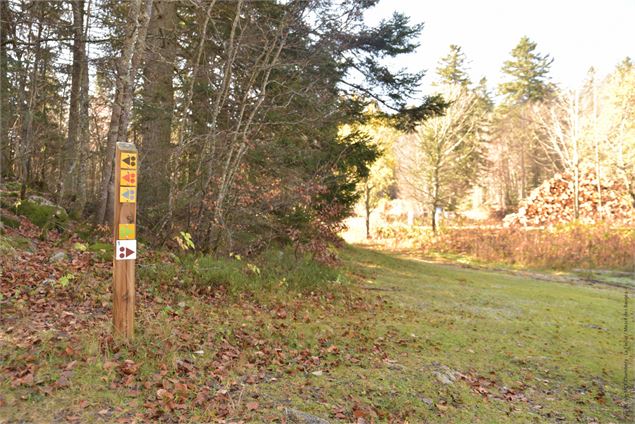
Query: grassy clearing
(384, 338)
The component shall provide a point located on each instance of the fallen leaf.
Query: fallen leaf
(441, 407)
(129, 367)
(252, 406)
(110, 365)
(164, 394)
(180, 388)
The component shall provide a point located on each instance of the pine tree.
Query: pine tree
(452, 68)
(528, 73)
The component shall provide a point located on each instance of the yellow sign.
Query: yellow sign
(128, 178)
(126, 232)
(128, 160)
(127, 195)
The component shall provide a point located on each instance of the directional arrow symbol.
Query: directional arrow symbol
(128, 195)
(128, 160)
(128, 178)
(126, 249)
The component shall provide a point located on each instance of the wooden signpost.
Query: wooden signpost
(125, 234)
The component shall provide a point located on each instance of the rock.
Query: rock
(299, 417)
(43, 212)
(58, 257)
(426, 400)
(443, 378)
(41, 200)
(396, 367)
(444, 374)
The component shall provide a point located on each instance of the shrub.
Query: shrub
(104, 251)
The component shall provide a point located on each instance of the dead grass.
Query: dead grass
(564, 248)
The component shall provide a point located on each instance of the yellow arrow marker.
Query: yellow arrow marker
(128, 178)
(126, 232)
(128, 160)
(127, 195)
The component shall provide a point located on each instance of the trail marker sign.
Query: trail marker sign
(128, 160)
(128, 178)
(126, 250)
(128, 195)
(126, 232)
(124, 238)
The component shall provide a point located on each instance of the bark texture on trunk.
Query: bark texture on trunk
(5, 114)
(70, 158)
(158, 106)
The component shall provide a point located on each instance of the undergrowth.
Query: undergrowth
(275, 269)
(566, 247)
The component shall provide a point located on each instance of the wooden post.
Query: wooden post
(124, 234)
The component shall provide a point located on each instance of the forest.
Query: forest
(225, 101)
(319, 234)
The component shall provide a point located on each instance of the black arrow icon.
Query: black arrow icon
(130, 161)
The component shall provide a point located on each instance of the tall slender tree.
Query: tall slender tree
(71, 157)
(527, 83)
(156, 110)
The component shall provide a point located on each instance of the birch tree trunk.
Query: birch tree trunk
(5, 154)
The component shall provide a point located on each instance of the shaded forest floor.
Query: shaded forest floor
(389, 338)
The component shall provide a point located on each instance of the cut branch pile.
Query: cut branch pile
(553, 202)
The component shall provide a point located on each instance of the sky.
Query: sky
(578, 34)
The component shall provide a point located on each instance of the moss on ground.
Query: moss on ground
(9, 221)
(11, 243)
(44, 216)
(104, 251)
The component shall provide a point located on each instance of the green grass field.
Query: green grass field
(393, 339)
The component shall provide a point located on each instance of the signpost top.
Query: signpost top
(126, 147)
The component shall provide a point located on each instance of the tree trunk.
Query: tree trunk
(68, 161)
(26, 137)
(84, 134)
(434, 218)
(5, 113)
(596, 142)
(436, 191)
(158, 105)
(576, 156)
(367, 208)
